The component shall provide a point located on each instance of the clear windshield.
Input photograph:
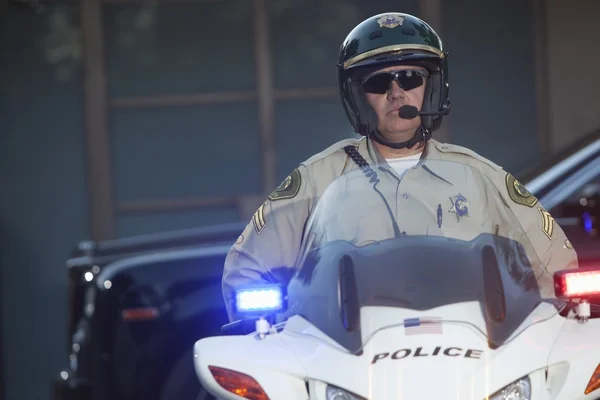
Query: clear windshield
(435, 236)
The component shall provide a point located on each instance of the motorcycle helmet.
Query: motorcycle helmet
(385, 40)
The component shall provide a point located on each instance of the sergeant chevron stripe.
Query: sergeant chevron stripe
(258, 219)
(547, 223)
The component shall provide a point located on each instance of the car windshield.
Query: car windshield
(408, 245)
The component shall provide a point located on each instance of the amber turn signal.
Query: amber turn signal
(594, 382)
(241, 384)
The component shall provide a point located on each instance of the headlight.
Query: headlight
(519, 390)
(334, 393)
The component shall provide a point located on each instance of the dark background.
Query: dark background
(126, 117)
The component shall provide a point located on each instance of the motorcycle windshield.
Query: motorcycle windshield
(418, 240)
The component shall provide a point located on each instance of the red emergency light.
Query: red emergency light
(577, 283)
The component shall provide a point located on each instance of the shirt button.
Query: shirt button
(405, 196)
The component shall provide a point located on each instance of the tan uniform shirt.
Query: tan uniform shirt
(473, 195)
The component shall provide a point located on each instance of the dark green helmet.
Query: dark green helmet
(386, 40)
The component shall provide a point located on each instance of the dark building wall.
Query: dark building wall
(43, 211)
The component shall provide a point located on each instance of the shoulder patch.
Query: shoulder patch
(288, 188)
(518, 193)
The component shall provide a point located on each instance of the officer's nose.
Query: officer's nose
(395, 91)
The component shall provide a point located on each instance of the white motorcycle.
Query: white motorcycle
(420, 287)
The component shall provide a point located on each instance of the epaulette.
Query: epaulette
(334, 148)
(456, 149)
(515, 189)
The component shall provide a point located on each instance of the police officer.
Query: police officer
(393, 83)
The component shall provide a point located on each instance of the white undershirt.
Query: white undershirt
(401, 164)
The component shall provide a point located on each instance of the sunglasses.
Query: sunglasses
(380, 82)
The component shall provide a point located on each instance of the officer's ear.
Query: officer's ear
(367, 116)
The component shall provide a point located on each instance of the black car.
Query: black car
(568, 185)
(137, 305)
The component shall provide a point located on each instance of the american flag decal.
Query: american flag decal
(416, 326)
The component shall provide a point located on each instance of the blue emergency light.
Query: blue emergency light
(259, 299)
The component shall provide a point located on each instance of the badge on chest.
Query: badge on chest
(459, 206)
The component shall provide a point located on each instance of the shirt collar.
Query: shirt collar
(431, 161)
(427, 162)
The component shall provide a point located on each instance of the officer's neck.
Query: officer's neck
(388, 152)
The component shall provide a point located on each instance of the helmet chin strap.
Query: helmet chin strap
(421, 135)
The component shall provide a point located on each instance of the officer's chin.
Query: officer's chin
(398, 127)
